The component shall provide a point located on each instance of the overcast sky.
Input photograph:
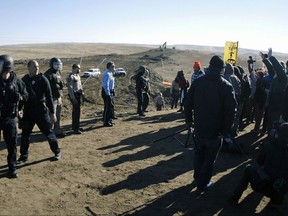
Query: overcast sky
(256, 24)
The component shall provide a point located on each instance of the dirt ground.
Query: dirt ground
(121, 171)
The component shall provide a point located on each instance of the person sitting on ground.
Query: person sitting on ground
(271, 179)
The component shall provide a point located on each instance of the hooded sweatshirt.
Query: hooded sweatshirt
(233, 79)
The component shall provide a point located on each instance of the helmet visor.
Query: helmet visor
(58, 66)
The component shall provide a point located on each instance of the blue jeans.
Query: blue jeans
(206, 152)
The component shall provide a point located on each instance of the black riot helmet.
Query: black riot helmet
(6, 63)
(56, 64)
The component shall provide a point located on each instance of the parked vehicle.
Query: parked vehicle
(119, 72)
(95, 72)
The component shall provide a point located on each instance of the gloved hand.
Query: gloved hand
(20, 114)
(53, 118)
(228, 140)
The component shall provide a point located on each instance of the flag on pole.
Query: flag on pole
(231, 52)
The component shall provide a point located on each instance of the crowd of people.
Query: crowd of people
(215, 107)
(214, 104)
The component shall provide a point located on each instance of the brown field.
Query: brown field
(120, 170)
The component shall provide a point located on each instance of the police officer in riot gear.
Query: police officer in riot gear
(54, 77)
(38, 110)
(12, 95)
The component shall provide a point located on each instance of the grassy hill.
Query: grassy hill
(163, 64)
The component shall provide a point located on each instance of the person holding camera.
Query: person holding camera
(38, 110)
(75, 92)
(271, 178)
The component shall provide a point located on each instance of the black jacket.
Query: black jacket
(278, 84)
(273, 157)
(12, 95)
(142, 83)
(285, 105)
(40, 94)
(55, 81)
(213, 101)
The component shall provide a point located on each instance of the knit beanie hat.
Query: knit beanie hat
(217, 62)
(197, 64)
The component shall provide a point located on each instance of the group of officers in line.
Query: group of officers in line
(36, 99)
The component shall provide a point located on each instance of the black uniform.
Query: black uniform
(36, 111)
(12, 95)
(55, 81)
(56, 84)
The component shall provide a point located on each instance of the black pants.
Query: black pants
(145, 101)
(42, 120)
(108, 107)
(265, 120)
(174, 99)
(76, 111)
(159, 107)
(183, 94)
(140, 99)
(265, 188)
(8, 126)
